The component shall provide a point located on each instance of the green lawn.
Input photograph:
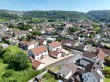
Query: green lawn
(106, 80)
(1, 43)
(55, 69)
(17, 76)
(14, 48)
(106, 68)
(51, 79)
(1, 20)
(2, 68)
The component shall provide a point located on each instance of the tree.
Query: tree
(72, 29)
(54, 33)
(106, 73)
(8, 57)
(107, 61)
(6, 41)
(8, 74)
(36, 32)
(20, 61)
(23, 26)
(23, 38)
(96, 29)
(59, 39)
(30, 37)
(47, 75)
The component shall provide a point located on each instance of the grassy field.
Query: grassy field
(106, 80)
(50, 80)
(106, 68)
(1, 43)
(1, 20)
(14, 48)
(55, 69)
(17, 76)
(2, 68)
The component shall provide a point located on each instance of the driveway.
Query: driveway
(76, 56)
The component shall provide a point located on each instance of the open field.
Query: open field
(106, 80)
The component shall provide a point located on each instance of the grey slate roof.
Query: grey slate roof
(64, 71)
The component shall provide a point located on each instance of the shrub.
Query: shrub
(8, 74)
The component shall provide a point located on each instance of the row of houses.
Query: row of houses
(88, 69)
(37, 53)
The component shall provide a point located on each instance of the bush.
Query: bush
(106, 73)
(8, 74)
(47, 75)
(20, 61)
(36, 32)
(107, 61)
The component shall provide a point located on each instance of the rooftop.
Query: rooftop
(38, 50)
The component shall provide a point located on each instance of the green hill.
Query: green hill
(8, 14)
(51, 15)
(60, 15)
(101, 15)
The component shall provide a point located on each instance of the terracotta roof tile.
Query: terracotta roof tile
(55, 44)
(101, 55)
(55, 53)
(38, 50)
(36, 63)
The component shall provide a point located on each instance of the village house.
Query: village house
(3, 28)
(43, 31)
(2, 31)
(18, 34)
(27, 45)
(89, 57)
(70, 43)
(38, 65)
(43, 37)
(42, 42)
(54, 46)
(87, 48)
(106, 51)
(60, 30)
(49, 30)
(67, 70)
(56, 54)
(92, 73)
(9, 38)
(89, 40)
(38, 52)
(50, 39)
